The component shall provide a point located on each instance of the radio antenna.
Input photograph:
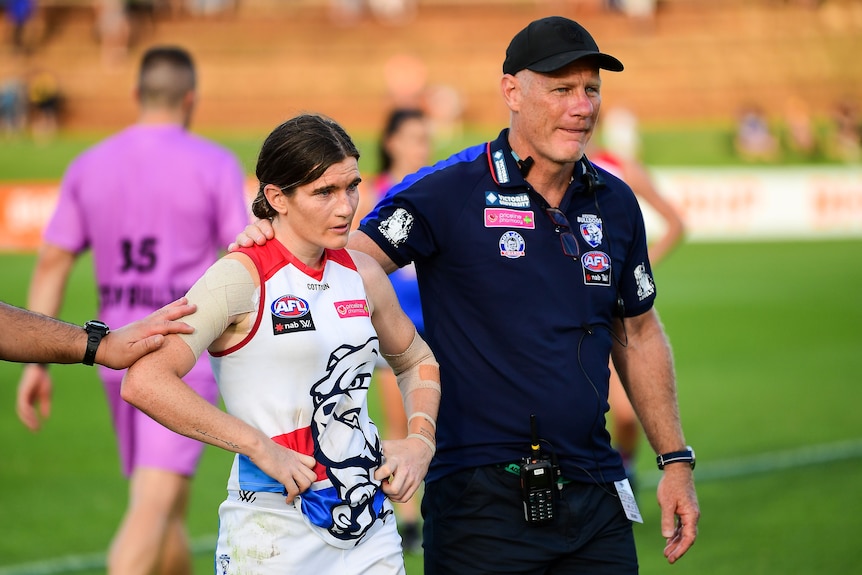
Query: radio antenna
(534, 437)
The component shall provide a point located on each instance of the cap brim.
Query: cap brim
(557, 61)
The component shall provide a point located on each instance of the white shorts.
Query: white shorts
(268, 536)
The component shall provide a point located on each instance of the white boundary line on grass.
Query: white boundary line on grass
(707, 471)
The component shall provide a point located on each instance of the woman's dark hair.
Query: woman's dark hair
(393, 123)
(298, 152)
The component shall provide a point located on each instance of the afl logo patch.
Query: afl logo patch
(512, 245)
(596, 268)
(289, 306)
(596, 261)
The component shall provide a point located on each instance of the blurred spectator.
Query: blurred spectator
(445, 108)
(43, 93)
(641, 12)
(845, 139)
(754, 140)
(350, 12)
(393, 11)
(114, 31)
(13, 106)
(19, 13)
(210, 8)
(801, 138)
(620, 132)
(406, 79)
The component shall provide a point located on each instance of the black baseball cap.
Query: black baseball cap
(548, 44)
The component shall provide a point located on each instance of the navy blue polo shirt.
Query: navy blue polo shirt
(519, 327)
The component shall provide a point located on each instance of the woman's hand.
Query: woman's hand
(292, 469)
(405, 463)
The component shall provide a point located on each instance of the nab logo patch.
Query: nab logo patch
(597, 267)
(290, 314)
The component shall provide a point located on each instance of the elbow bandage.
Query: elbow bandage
(415, 368)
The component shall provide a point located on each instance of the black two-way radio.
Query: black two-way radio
(538, 478)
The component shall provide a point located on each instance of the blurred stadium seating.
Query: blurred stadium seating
(265, 60)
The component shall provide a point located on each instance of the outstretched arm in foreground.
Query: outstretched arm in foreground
(30, 337)
(27, 336)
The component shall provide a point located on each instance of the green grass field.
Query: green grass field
(768, 359)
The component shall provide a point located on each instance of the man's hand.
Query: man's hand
(257, 232)
(34, 390)
(679, 510)
(405, 463)
(122, 347)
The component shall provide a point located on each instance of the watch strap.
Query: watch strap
(95, 332)
(685, 456)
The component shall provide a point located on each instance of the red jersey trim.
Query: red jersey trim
(257, 264)
(268, 259)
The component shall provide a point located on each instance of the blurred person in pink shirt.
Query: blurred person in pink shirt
(153, 203)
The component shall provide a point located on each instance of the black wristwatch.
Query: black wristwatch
(686, 456)
(96, 330)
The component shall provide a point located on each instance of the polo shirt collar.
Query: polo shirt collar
(503, 163)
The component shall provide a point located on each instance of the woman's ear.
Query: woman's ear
(276, 198)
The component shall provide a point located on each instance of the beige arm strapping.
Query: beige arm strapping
(223, 292)
(415, 368)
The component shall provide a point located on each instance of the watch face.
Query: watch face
(96, 325)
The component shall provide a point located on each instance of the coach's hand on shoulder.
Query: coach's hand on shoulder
(257, 232)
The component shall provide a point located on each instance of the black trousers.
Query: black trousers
(474, 524)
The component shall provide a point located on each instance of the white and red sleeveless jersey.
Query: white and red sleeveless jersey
(301, 376)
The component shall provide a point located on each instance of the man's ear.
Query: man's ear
(276, 198)
(190, 99)
(510, 86)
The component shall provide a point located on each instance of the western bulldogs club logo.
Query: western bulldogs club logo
(591, 229)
